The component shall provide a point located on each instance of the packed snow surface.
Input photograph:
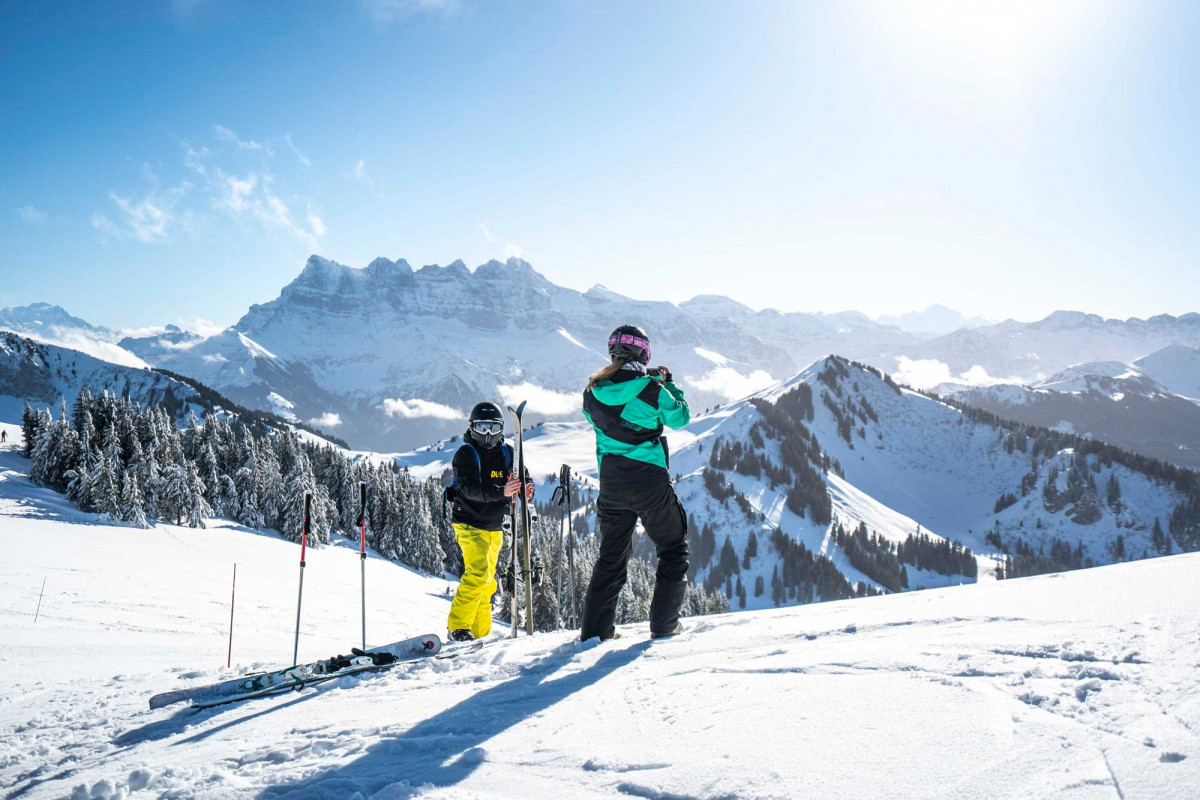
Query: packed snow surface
(1078, 685)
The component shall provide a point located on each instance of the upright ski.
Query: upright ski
(524, 520)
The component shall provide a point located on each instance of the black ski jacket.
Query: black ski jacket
(477, 493)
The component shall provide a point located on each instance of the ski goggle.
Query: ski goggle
(486, 426)
(629, 338)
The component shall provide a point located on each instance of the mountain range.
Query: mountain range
(840, 447)
(389, 357)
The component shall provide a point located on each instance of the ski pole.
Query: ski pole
(300, 596)
(528, 518)
(39, 605)
(362, 553)
(232, 598)
(562, 493)
(558, 582)
(566, 474)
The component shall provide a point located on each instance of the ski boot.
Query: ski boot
(461, 635)
(678, 630)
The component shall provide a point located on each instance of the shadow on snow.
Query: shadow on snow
(445, 749)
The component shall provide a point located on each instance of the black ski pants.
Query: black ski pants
(618, 510)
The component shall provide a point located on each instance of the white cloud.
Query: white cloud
(253, 196)
(546, 402)
(303, 159)
(237, 190)
(326, 420)
(359, 172)
(200, 325)
(194, 157)
(388, 11)
(929, 373)
(148, 218)
(152, 216)
(88, 343)
(315, 223)
(731, 384)
(226, 135)
(416, 409)
(32, 215)
(511, 250)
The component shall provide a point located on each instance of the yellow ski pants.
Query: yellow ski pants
(472, 605)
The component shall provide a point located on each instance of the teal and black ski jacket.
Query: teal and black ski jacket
(629, 413)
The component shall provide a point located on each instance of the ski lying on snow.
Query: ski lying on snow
(456, 650)
(359, 666)
(264, 683)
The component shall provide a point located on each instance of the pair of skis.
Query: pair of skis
(523, 516)
(265, 684)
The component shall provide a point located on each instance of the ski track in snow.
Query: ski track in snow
(1078, 685)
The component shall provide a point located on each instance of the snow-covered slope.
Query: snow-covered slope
(1078, 685)
(53, 325)
(1127, 404)
(1176, 367)
(44, 373)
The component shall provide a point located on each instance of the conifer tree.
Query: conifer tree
(132, 509)
(29, 429)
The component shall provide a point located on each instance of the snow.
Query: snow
(1077, 685)
(709, 355)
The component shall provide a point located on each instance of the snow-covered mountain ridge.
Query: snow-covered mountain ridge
(390, 357)
(1139, 405)
(855, 448)
(44, 374)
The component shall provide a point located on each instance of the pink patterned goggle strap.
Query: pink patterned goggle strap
(629, 338)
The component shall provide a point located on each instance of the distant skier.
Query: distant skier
(628, 406)
(480, 494)
(3, 436)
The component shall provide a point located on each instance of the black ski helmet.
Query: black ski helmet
(630, 343)
(486, 412)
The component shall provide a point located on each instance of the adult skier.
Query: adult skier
(628, 405)
(480, 494)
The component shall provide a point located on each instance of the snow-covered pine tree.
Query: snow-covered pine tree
(132, 509)
(106, 495)
(29, 428)
(197, 508)
(298, 482)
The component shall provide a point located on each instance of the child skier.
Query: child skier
(481, 492)
(628, 405)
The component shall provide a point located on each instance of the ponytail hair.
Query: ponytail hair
(606, 372)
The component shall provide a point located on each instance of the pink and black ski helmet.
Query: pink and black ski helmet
(630, 343)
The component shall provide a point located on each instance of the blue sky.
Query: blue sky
(167, 161)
